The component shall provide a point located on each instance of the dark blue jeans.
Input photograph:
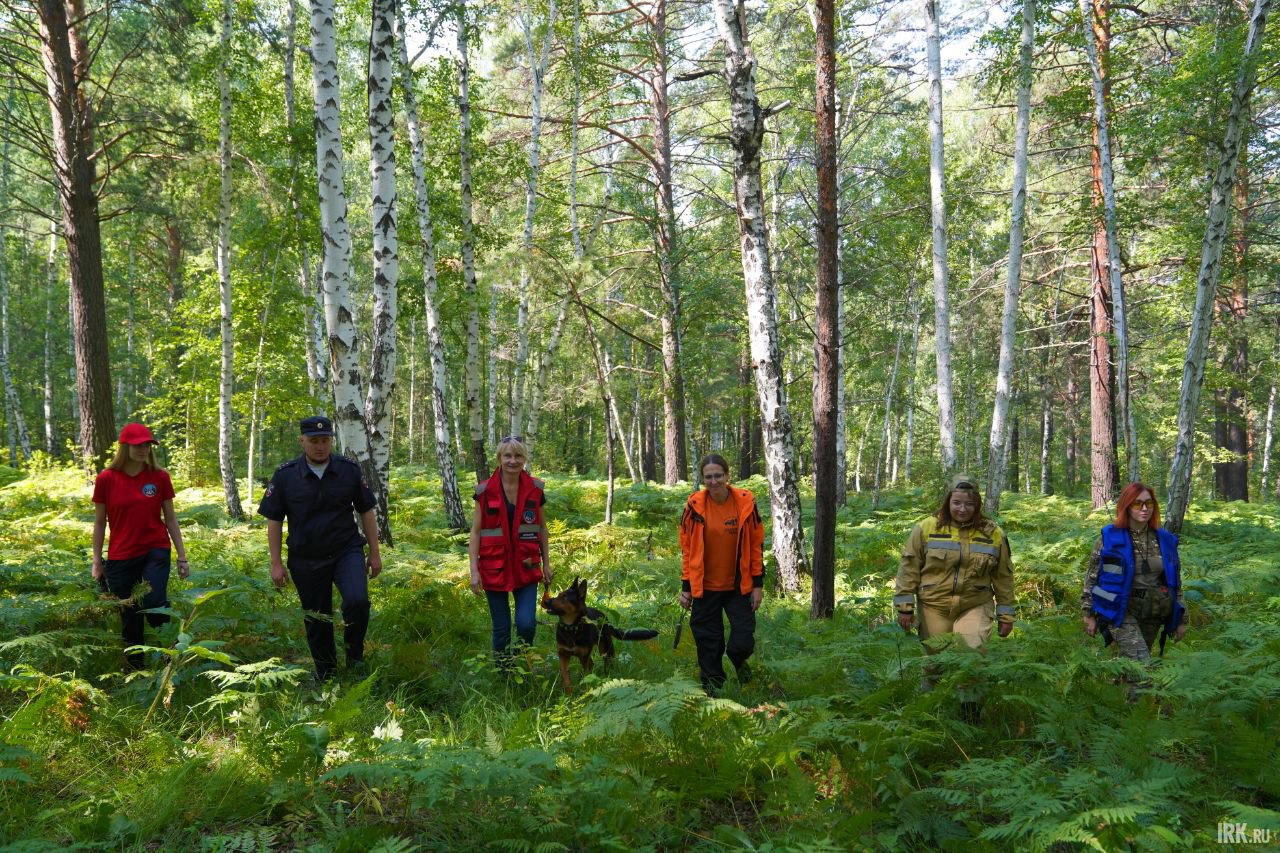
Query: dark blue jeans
(526, 601)
(122, 577)
(315, 579)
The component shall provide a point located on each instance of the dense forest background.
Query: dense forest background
(851, 246)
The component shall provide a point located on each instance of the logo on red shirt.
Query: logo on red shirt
(149, 490)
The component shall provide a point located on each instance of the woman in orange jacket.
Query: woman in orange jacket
(722, 572)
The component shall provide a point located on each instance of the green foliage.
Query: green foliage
(223, 743)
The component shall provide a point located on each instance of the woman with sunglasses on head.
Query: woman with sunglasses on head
(509, 546)
(133, 498)
(1133, 589)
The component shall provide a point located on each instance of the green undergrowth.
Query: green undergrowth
(223, 745)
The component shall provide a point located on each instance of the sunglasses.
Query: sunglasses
(1149, 504)
(506, 438)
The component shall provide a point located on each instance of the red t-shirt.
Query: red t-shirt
(134, 510)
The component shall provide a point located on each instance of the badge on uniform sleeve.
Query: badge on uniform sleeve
(149, 490)
(364, 484)
(271, 488)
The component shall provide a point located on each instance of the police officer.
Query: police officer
(317, 493)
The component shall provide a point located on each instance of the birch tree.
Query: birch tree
(538, 60)
(340, 326)
(746, 134)
(1215, 235)
(1013, 281)
(435, 340)
(386, 241)
(226, 383)
(938, 216)
(471, 367)
(15, 423)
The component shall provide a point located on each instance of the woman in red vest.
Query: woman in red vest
(722, 572)
(509, 546)
(133, 496)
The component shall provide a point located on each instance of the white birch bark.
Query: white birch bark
(51, 284)
(538, 59)
(882, 452)
(226, 383)
(339, 316)
(255, 407)
(435, 338)
(1119, 315)
(1215, 235)
(471, 367)
(15, 423)
(911, 393)
(746, 135)
(999, 444)
(1268, 432)
(938, 211)
(312, 310)
(386, 240)
(491, 420)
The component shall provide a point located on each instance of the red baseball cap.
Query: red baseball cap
(136, 434)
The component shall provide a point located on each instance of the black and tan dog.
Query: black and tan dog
(577, 635)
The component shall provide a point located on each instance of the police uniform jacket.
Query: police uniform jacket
(319, 510)
(956, 568)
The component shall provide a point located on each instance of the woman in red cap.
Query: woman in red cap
(133, 497)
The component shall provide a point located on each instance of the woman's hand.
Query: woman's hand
(475, 582)
(757, 595)
(1005, 629)
(1180, 632)
(1090, 624)
(686, 599)
(97, 570)
(184, 568)
(905, 620)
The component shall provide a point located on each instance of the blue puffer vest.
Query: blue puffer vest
(1115, 578)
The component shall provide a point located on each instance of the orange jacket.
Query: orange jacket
(750, 568)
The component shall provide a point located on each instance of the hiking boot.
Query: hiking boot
(744, 672)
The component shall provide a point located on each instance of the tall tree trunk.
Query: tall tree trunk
(1013, 280)
(746, 134)
(917, 312)
(453, 508)
(312, 311)
(1106, 246)
(938, 210)
(1231, 477)
(826, 344)
(255, 407)
(16, 424)
(226, 382)
(66, 58)
(1215, 235)
(1268, 430)
(538, 58)
(51, 285)
(386, 236)
(882, 450)
(344, 342)
(471, 369)
(675, 440)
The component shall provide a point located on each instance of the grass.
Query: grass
(222, 745)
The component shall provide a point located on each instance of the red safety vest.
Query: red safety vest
(510, 555)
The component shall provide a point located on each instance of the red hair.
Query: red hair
(1126, 499)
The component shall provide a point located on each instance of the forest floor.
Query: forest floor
(222, 744)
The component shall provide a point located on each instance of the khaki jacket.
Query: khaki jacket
(956, 569)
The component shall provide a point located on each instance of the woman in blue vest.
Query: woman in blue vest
(1133, 589)
(509, 546)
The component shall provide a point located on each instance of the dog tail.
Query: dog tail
(632, 634)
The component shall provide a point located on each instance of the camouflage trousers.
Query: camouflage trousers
(1134, 640)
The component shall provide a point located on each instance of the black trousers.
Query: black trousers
(122, 576)
(315, 579)
(706, 622)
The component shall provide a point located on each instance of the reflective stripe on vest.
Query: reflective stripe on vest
(944, 544)
(983, 549)
(491, 531)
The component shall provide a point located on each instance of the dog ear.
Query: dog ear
(582, 591)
